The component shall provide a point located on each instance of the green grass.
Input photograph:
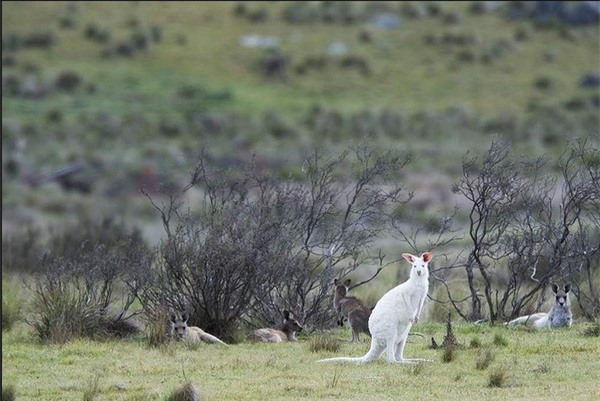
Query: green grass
(131, 370)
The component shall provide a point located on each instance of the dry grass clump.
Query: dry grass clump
(484, 359)
(8, 393)
(499, 377)
(324, 343)
(187, 392)
(592, 331)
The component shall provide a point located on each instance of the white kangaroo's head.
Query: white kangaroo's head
(562, 297)
(419, 264)
(179, 325)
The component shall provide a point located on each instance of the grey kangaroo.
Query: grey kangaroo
(351, 308)
(560, 314)
(285, 332)
(181, 331)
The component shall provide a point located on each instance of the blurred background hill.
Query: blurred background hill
(102, 98)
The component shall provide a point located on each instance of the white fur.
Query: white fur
(395, 313)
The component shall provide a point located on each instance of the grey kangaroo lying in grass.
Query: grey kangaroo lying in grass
(560, 314)
(181, 331)
(351, 308)
(285, 332)
(394, 315)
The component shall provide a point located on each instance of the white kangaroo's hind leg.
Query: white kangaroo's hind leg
(398, 347)
(399, 354)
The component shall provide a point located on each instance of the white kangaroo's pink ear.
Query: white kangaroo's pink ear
(410, 258)
(426, 257)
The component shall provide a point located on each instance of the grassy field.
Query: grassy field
(128, 117)
(523, 365)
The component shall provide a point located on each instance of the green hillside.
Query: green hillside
(132, 87)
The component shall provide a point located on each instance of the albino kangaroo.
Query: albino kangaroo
(560, 314)
(181, 331)
(395, 313)
(352, 308)
(285, 332)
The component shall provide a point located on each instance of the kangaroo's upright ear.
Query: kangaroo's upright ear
(173, 317)
(426, 257)
(286, 314)
(567, 287)
(185, 317)
(347, 283)
(336, 281)
(555, 288)
(410, 258)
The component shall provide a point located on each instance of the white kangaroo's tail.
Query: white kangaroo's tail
(358, 361)
(373, 353)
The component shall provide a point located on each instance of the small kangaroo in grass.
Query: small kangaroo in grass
(394, 315)
(181, 331)
(560, 314)
(286, 331)
(351, 308)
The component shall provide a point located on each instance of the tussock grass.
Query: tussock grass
(449, 354)
(186, 392)
(592, 330)
(8, 393)
(543, 367)
(92, 389)
(324, 342)
(484, 359)
(475, 342)
(500, 340)
(499, 377)
(156, 332)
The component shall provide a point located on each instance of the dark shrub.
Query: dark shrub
(239, 9)
(11, 42)
(80, 292)
(97, 34)
(67, 81)
(66, 21)
(300, 12)
(156, 34)
(39, 39)
(544, 83)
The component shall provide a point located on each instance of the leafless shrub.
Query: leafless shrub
(528, 229)
(81, 291)
(256, 245)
